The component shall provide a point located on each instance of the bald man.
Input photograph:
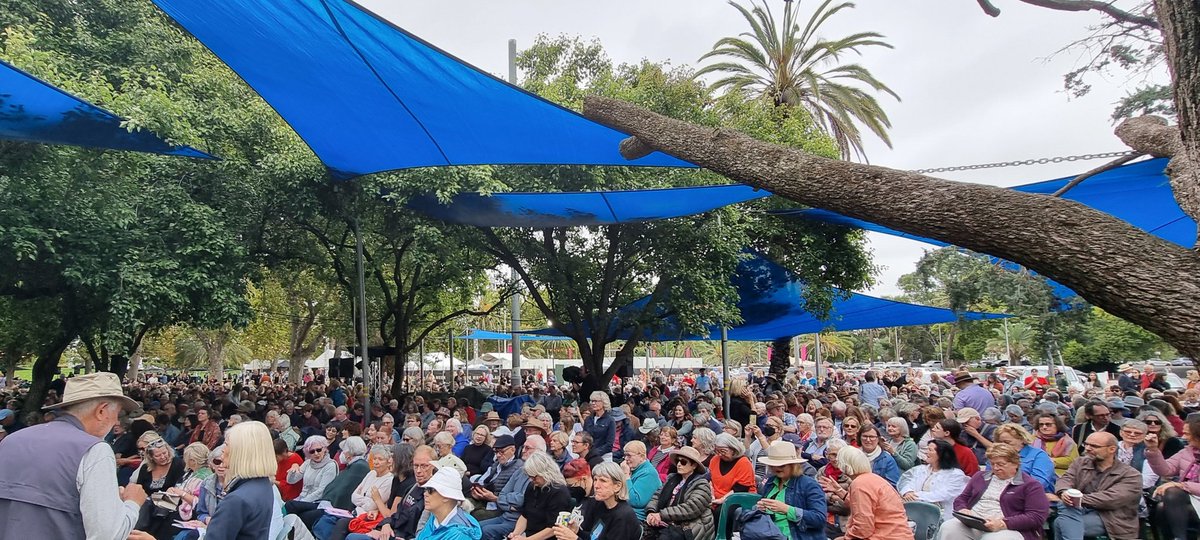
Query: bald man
(1111, 491)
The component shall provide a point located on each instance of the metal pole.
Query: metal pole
(817, 356)
(421, 364)
(725, 368)
(362, 312)
(516, 299)
(1007, 346)
(450, 342)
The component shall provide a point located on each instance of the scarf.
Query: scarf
(1193, 471)
(1057, 445)
(318, 464)
(872, 455)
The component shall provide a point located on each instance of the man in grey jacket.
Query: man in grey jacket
(60, 478)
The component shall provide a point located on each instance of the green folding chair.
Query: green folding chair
(925, 517)
(732, 501)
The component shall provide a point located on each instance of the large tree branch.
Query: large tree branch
(1107, 8)
(1116, 266)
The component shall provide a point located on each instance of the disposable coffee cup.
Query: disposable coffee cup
(564, 519)
(1076, 496)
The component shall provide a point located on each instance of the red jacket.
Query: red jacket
(966, 459)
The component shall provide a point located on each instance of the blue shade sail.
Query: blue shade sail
(33, 110)
(771, 301)
(583, 208)
(476, 333)
(1138, 193)
(367, 96)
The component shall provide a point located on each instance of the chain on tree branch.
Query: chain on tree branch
(1018, 163)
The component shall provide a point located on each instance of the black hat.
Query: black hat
(504, 441)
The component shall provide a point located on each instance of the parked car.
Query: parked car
(933, 364)
(1075, 379)
(1182, 362)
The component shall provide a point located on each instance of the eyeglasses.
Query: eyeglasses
(849, 426)
(430, 491)
(316, 451)
(1090, 445)
(1046, 424)
(1153, 421)
(869, 437)
(576, 442)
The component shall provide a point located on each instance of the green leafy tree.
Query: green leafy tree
(1107, 339)
(793, 66)
(624, 281)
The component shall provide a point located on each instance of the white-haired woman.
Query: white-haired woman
(339, 491)
(601, 425)
(248, 507)
(876, 510)
(195, 465)
(899, 444)
(730, 470)
(317, 471)
(607, 515)
(546, 496)
(443, 445)
(375, 487)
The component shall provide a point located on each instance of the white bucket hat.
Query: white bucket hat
(781, 453)
(447, 483)
(92, 386)
(649, 425)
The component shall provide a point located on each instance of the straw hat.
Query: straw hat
(92, 386)
(693, 456)
(781, 453)
(535, 424)
(447, 483)
(492, 417)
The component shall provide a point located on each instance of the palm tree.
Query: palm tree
(792, 66)
(1020, 342)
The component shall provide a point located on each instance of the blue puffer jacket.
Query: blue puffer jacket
(805, 494)
(460, 526)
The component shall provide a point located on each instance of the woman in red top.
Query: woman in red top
(284, 460)
(730, 469)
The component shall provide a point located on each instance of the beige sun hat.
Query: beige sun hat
(693, 455)
(781, 453)
(92, 386)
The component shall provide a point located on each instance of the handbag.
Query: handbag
(757, 525)
(362, 524)
(675, 532)
(166, 501)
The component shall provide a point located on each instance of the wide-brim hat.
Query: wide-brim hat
(966, 413)
(91, 386)
(447, 483)
(618, 414)
(1117, 405)
(964, 376)
(1134, 402)
(693, 455)
(781, 453)
(649, 425)
(443, 412)
(534, 424)
(492, 416)
(1125, 367)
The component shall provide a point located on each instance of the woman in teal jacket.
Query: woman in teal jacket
(443, 493)
(790, 497)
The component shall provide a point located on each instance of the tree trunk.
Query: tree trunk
(135, 365)
(780, 361)
(214, 350)
(43, 372)
(1112, 264)
(12, 357)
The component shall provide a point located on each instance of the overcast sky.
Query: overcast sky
(974, 89)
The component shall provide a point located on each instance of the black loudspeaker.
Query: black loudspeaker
(572, 374)
(625, 371)
(346, 368)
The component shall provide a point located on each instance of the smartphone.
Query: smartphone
(754, 420)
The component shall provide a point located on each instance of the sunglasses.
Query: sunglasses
(217, 462)
(430, 491)
(1155, 422)
(682, 462)
(316, 451)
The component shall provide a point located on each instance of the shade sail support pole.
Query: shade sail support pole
(363, 353)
